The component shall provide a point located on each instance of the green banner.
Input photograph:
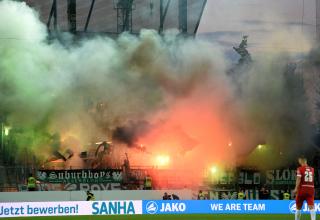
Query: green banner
(80, 176)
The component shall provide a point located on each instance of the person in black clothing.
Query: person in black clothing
(264, 193)
(166, 196)
(175, 197)
(90, 196)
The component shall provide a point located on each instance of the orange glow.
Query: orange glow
(213, 170)
(195, 131)
(162, 160)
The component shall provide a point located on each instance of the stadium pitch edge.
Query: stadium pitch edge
(168, 217)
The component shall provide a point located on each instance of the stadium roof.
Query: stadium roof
(109, 16)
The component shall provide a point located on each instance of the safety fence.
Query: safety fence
(150, 207)
(13, 177)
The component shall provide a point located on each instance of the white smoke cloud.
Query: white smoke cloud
(87, 90)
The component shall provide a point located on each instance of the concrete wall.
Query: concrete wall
(99, 195)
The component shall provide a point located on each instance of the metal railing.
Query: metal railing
(12, 177)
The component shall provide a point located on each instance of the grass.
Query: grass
(168, 217)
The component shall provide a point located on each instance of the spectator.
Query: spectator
(264, 193)
(31, 183)
(241, 195)
(90, 196)
(148, 183)
(201, 195)
(166, 196)
(175, 197)
(286, 195)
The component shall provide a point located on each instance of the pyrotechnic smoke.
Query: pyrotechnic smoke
(170, 94)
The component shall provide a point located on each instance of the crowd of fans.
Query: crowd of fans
(264, 194)
(167, 196)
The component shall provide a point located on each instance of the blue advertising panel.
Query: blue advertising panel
(222, 207)
(150, 207)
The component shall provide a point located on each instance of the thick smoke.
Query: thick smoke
(170, 94)
(129, 134)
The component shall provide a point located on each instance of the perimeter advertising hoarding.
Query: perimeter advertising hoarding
(70, 208)
(222, 207)
(150, 207)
